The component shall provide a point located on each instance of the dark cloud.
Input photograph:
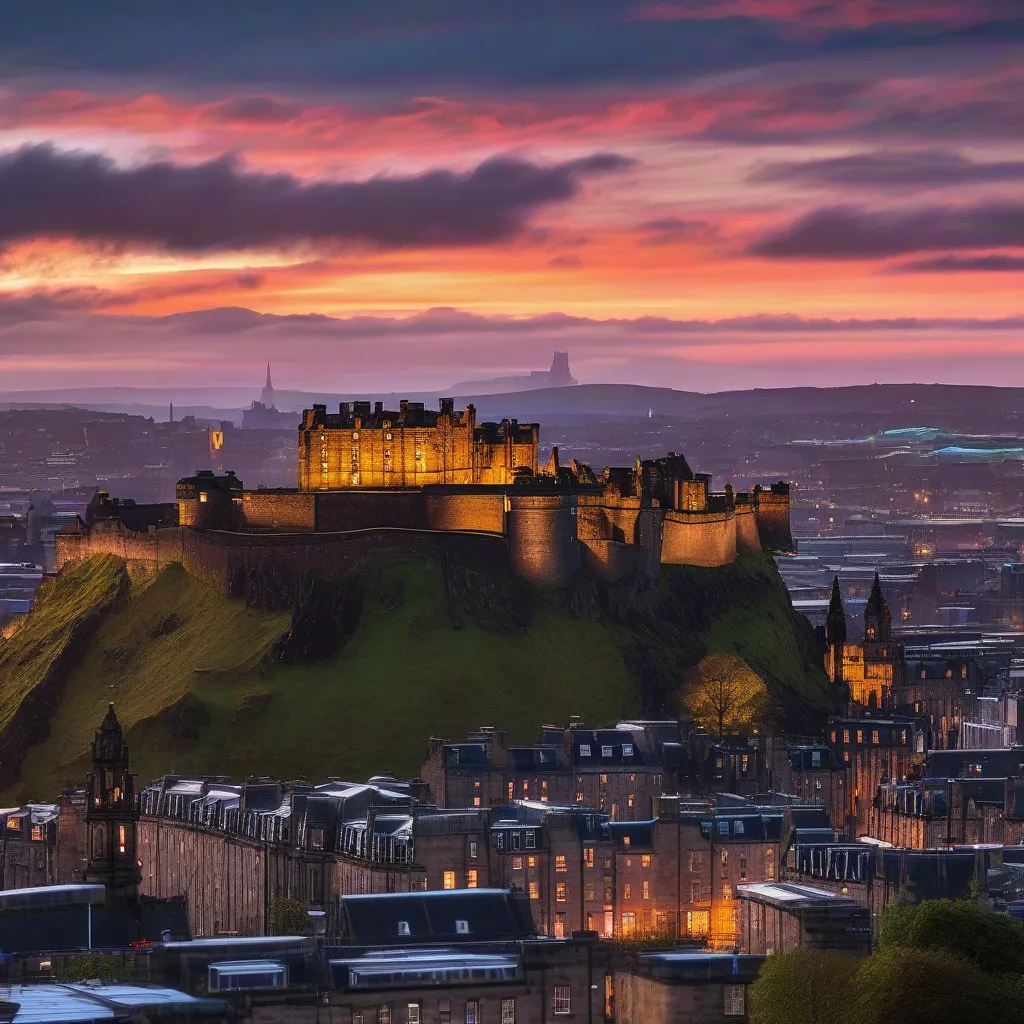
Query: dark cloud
(888, 169)
(257, 109)
(854, 233)
(669, 230)
(221, 206)
(565, 262)
(993, 263)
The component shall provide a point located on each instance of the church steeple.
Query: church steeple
(877, 616)
(111, 813)
(267, 395)
(835, 634)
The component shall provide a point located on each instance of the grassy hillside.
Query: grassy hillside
(198, 685)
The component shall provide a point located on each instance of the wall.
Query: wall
(773, 518)
(143, 552)
(465, 510)
(277, 510)
(367, 509)
(699, 538)
(748, 539)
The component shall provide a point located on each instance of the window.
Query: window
(874, 735)
(846, 735)
(476, 801)
(603, 780)
(629, 862)
(737, 828)
(517, 863)
(584, 750)
(560, 862)
(723, 828)
(531, 862)
(357, 1017)
(413, 1013)
(473, 1011)
(561, 894)
(384, 1014)
(694, 860)
(120, 838)
(37, 833)
(628, 924)
(695, 892)
(735, 1001)
(515, 840)
(606, 751)
(579, 796)
(449, 879)
(508, 1011)
(726, 892)
(471, 878)
(403, 928)
(511, 791)
(725, 860)
(629, 800)
(698, 922)
(608, 894)
(462, 927)
(627, 749)
(589, 891)
(627, 891)
(203, 498)
(444, 1012)
(625, 839)
(534, 891)
(559, 926)
(645, 860)
(531, 840)
(588, 856)
(472, 851)
(647, 889)
(562, 1002)
(316, 838)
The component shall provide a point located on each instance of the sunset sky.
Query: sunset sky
(703, 194)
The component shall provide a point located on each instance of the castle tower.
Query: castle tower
(267, 394)
(111, 814)
(559, 375)
(835, 634)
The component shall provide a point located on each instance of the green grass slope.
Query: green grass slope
(199, 689)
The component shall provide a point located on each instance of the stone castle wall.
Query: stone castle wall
(144, 553)
(277, 510)
(748, 537)
(699, 538)
(773, 520)
(357, 509)
(543, 544)
(482, 512)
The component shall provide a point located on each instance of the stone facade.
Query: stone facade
(411, 447)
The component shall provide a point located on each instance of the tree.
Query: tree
(287, 916)
(993, 942)
(901, 985)
(723, 691)
(805, 986)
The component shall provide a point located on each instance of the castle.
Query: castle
(374, 482)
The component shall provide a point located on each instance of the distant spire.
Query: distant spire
(267, 395)
(835, 622)
(270, 385)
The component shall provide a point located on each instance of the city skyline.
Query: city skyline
(704, 196)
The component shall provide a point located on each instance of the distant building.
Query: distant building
(559, 376)
(264, 415)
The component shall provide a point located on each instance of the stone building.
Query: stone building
(410, 447)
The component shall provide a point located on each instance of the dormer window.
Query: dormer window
(627, 749)
(462, 927)
(531, 841)
(584, 750)
(455, 756)
(403, 928)
(606, 751)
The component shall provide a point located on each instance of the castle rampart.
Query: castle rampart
(542, 538)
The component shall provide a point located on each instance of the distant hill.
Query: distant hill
(202, 684)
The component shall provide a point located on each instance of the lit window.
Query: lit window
(604, 780)
(471, 878)
(628, 925)
(384, 1014)
(590, 892)
(355, 435)
(508, 1011)
(647, 889)
(588, 856)
(579, 796)
(629, 800)
(449, 879)
(476, 801)
(561, 895)
(559, 926)
(121, 838)
(517, 863)
(584, 750)
(625, 840)
(414, 1013)
(560, 862)
(627, 891)
(202, 497)
(534, 891)
(37, 833)
(874, 735)
(562, 1002)
(531, 862)
(726, 892)
(645, 860)
(511, 791)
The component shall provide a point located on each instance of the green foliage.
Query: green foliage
(993, 942)
(287, 916)
(804, 987)
(901, 985)
(91, 966)
(177, 657)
